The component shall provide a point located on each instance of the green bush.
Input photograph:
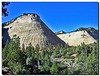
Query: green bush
(69, 57)
(72, 57)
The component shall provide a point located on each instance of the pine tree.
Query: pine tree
(5, 50)
(64, 72)
(42, 54)
(50, 47)
(23, 47)
(45, 67)
(14, 44)
(29, 50)
(54, 69)
(81, 62)
(15, 61)
(46, 57)
(92, 64)
(37, 48)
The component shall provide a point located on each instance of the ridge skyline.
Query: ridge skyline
(66, 16)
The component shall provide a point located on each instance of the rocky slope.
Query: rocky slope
(60, 32)
(31, 29)
(79, 36)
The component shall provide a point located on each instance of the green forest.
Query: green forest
(59, 60)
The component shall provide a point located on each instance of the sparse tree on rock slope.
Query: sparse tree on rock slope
(23, 47)
(29, 50)
(37, 48)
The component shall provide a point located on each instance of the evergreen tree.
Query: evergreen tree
(29, 50)
(83, 47)
(16, 60)
(14, 44)
(78, 51)
(54, 69)
(50, 47)
(37, 48)
(66, 45)
(42, 54)
(81, 62)
(4, 9)
(56, 50)
(5, 50)
(92, 64)
(64, 71)
(46, 57)
(23, 47)
(45, 67)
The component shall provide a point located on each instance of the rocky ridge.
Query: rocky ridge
(31, 29)
(79, 36)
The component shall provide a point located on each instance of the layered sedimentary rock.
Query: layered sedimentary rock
(77, 37)
(31, 29)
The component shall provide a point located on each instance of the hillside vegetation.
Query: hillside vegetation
(83, 59)
(75, 38)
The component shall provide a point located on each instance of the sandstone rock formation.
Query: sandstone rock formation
(77, 37)
(60, 32)
(31, 29)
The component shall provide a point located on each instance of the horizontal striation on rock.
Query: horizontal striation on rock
(78, 37)
(31, 29)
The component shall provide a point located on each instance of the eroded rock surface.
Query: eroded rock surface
(31, 29)
(78, 37)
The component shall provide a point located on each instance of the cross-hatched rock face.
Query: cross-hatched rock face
(78, 37)
(31, 29)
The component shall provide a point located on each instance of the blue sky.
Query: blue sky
(66, 16)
